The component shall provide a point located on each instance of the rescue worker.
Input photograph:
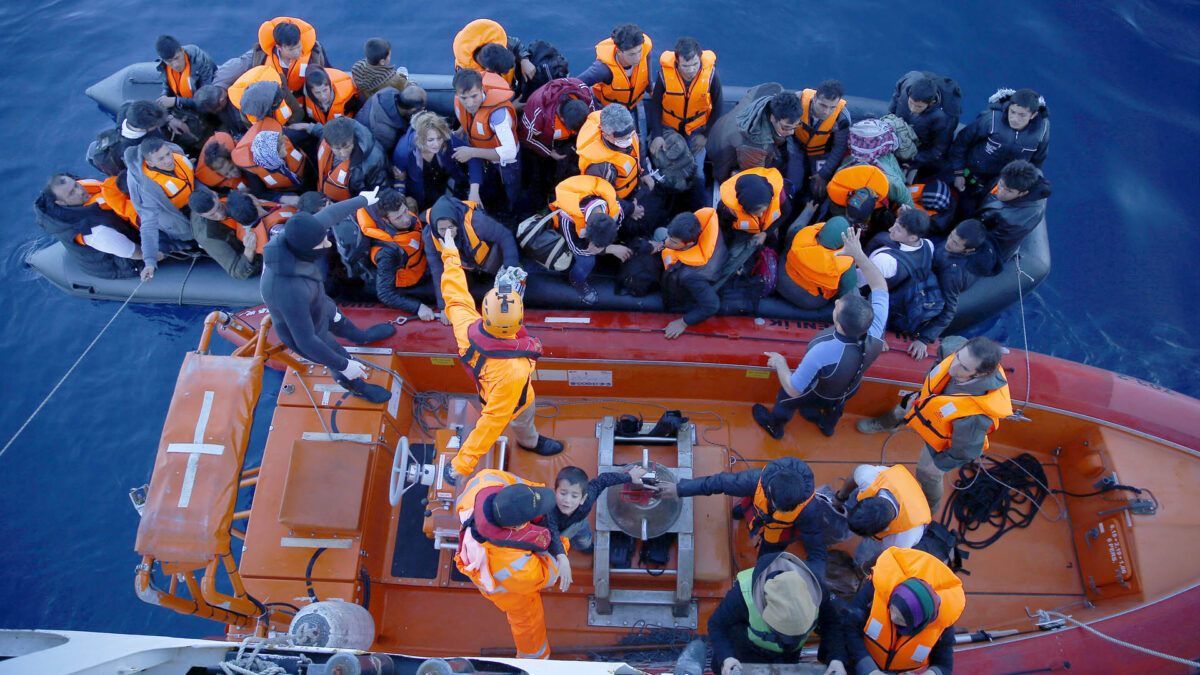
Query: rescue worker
(1013, 208)
(608, 147)
(396, 251)
(160, 180)
(621, 72)
(490, 245)
(286, 45)
(305, 318)
(91, 220)
(776, 503)
(423, 166)
(694, 255)
(836, 358)
(961, 402)
(511, 550)
(769, 614)
(752, 201)
(550, 123)
(958, 262)
(824, 132)
(329, 93)
(349, 160)
(589, 216)
(488, 122)
(886, 508)
(918, 102)
(902, 618)
(1016, 125)
(268, 150)
(760, 132)
(388, 113)
(375, 72)
(501, 357)
(235, 248)
(686, 98)
(814, 274)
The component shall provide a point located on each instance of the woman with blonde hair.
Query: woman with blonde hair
(425, 168)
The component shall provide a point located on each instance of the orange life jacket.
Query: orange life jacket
(624, 89)
(259, 229)
(894, 652)
(277, 215)
(333, 179)
(508, 570)
(914, 507)
(497, 94)
(207, 175)
(343, 91)
(917, 191)
(744, 221)
(177, 185)
(479, 248)
(298, 69)
(181, 82)
(569, 196)
(592, 150)
(408, 240)
(293, 157)
(474, 35)
(813, 267)
(816, 143)
(256, 74)
(852, 178)
(107, 195)
(685, 108)
(773, 526)
(933, 414)
(700, 253)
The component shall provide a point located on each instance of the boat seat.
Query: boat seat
(324, 489)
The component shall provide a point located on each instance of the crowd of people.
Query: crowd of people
(273, 160)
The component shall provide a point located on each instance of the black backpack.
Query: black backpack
(919, 298)
(353, 248)
(639, 276)
(551, 64)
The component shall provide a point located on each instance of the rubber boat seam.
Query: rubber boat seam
(1093, 622)
(902, 383)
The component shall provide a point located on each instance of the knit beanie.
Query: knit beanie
(518, 504)
(753, 192)
(302, 233)
(789, 606)
(918, 604)
(860, 204)
(831, 233)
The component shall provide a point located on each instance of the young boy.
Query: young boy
(575, 496)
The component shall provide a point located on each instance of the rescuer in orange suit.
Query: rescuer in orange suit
(500, 356)
(511, 551)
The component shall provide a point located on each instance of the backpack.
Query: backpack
(919, 298)
(641, 274)
(740, 295)
(907, 138)
(104, 152)
(550, 63)
(942, 543)
(675, 163)
(766, 267)
(353, 248)
(544, 244)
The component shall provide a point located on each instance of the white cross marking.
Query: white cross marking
(196, 448)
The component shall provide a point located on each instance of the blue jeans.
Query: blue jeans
(582, 268)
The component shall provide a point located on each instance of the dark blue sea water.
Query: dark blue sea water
(1122, 80)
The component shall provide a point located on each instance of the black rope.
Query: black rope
(1004, 495)
(308, 584)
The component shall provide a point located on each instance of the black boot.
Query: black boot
(545, 447)
(360, 388)
(344, 328)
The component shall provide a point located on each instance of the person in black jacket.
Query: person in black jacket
(399, 262)
(957, 262)
(305, 319)
(575, 495)
(689, 281)
(917, 102)
(100, 242)
(474, 229)
(776, 503)
(1016, 125)
(769, 614)
(1014, 208)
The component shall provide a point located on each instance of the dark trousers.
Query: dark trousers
(820, 411)
(582, 268)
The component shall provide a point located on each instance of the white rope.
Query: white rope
(1130, 645)
(69, 371)
(1024, 335)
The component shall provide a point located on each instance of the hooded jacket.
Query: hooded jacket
(426, 184)
(294, 292)
(536, 129)
(969, 432)
(157, 214)
(382, 116)
(368, 164)
(986, 145)
(934, 127)
(222, 245)
(64, 222)
(486, 228)
(201, 67)
(1008, 223)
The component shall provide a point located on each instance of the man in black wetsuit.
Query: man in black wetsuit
(306, 320)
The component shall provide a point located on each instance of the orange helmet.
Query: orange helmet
(503, 311)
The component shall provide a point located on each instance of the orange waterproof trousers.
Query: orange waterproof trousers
(527, 621)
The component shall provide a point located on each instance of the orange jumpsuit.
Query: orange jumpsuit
(505, 385)
(511, 578)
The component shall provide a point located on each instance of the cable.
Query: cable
(1008, 497)
(1130, 645)
(1024, 335)
(70, 370)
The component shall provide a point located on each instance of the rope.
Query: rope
(1008, 496)
(70, 370)
(1130, 645)
(1019, 414)
(183, 284)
